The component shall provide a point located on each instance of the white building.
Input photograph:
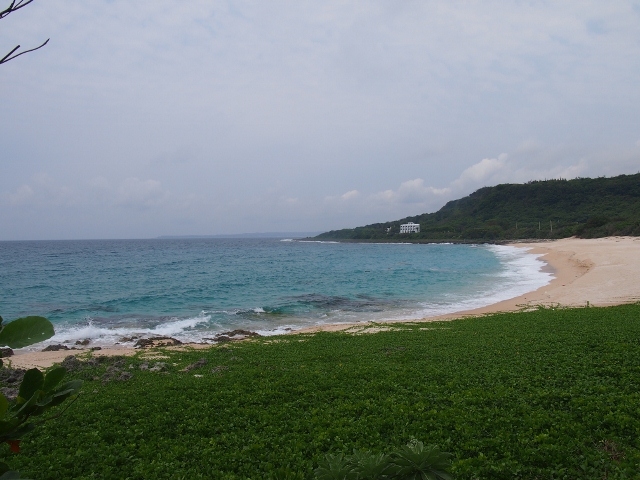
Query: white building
(410, 227)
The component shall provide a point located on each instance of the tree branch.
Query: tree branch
(13, 7)
(8, 56)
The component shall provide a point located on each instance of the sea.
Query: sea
(191, 289)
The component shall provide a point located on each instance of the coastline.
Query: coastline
(600, 271)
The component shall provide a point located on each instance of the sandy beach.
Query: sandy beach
(600, 272)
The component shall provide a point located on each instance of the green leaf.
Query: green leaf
(31, 383)
(53, 378)
(4, 405)
(30, 405)
(26, 331)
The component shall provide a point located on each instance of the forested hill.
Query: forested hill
(584, 207)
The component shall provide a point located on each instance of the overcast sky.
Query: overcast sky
(160, 117)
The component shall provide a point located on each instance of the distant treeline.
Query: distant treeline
(584, 207)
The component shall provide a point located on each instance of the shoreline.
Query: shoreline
(600, 271)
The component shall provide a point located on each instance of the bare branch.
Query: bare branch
(8, 56)
(13, 7)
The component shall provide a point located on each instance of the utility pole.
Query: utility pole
(551, 225)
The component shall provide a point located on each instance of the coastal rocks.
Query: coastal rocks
(157, 342)
(11, 375)
(128, 339)
(71, 364)
(234, 335)
(84, 342)
(200, 363)
(115, 373)
(55, 348)
(158, 367)
(5, 352)
(9, 393)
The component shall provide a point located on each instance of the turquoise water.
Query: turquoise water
(194, 288)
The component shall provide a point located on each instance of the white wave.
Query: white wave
(181, 329)
(522, 272)
(317, 241)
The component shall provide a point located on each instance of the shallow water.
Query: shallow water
(193, 288)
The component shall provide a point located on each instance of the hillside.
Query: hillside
(584, 207)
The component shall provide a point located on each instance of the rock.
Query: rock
(5, 352)
(219, 369)
(200, 363)
(124, 376)
(55, 348)
(144, 366)
(71, 363)
(128, 339)
(85, 342)
(158, 367)
(237, 334)
(93, 349)
(11, 375)
(157, 342)
(9, 392)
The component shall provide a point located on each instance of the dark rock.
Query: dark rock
(144, 366)
(128, 339)
(55, 348)
(244, 333)
(10, 393)
(93, 349)
(157, 342)
(237, 334)
(5, 352)
(219, 369)
(85, 342)
(124, 376)
(200, 363)
(11, 375)
(158, 367)
(71, 363)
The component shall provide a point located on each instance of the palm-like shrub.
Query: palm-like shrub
(417, 462)
(412, 462)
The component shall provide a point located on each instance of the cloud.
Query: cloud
(480, 172)
(134, 192)
(350, 194)
(21, 196)
(43, 191)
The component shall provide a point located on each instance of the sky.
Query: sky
(158, 117)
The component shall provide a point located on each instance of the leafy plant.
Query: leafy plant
(38, 392)
(417, 462)
(412, 462)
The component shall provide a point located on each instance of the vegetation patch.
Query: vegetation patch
(553, 393)
(584, 207)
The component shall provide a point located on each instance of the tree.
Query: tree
(17, 5)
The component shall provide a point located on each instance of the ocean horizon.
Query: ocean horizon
(109, 291)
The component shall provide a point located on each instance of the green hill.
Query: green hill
(584, 207)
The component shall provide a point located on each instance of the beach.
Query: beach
(587, 272)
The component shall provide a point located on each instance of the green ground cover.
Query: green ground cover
(553, 393)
